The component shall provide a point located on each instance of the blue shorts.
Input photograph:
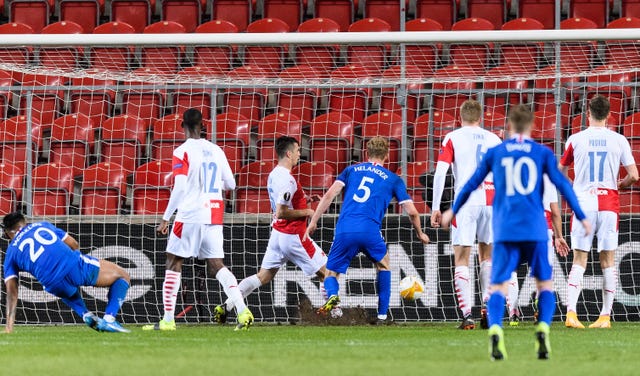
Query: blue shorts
(84, 274)
(346, 246)
(508, 255)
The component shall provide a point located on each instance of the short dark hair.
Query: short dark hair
(191, 119)
(285, 144)
(599, 107)
(520, 117)
(12, 220)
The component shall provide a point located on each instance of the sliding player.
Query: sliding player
(368, 189)
(597, 153)
(52, 257)
(519, 224)
(462, 149)
(201, 172)
(290, 213)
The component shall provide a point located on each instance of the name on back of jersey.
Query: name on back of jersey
(525, 147)
(597, 142)
(373, 169)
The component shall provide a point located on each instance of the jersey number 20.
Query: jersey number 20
(513, 175)
(30, 243)
(366, 191)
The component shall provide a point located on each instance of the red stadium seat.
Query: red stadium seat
(123, 141)
(52, 189)
(269, 58)
(289, 11)
(386, 10)
(577, 55)
(372, 57)
(619, 96)
(252, 195)
(427, 128)
(72, 138)
(215, 57)
(414, 95)
(454, 84)
(143, 103)
(162, 58)
(322, 58)
(541, 10)
(232, 135)
(495, 122)
(45, 104)
(6, 96)
(86, 13)
(580, 123)
(630, 8)
(185, 96)
(350, 99)
(630, 201)
(331, 139)
(624, 54)
(104, 186)
(442, 11)
(423, 56)
(544, 128)
(388, 125)
(414, 188)
(315, 178)
(238, 12)
(341, 11)
(13, 141)
(301, 102)
(16, 55)
(594, 10)
(34, 13)
(152, 184)
(473, 56)
(168, 134)
(273, 126)
(61, 57)
(494, 11)
(136, 13)
(11, 178)
(513, 87)
(184, 12)
(524, 56)
(247, 101)
(111, 58)
(545, 102)
(631, 127)
(95, 103)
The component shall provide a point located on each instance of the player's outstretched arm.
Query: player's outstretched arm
(12, 303)
(71, 242)
(177, 196)
(414, 217)
(556, 222)
(325, 201)
(631, 178)
(439, 180)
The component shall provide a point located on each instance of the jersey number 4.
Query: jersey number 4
(366, 191)
(30, 243)
(513, 175)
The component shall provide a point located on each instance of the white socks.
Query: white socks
(246, 286)
(608, 290)
(512, 295)
(575, 286)
(170, 289)
(230, 285)
(485, 279)
(463, 289)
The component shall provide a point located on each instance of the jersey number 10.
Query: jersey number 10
(513, 175)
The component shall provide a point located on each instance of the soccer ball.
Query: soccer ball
(411, 288)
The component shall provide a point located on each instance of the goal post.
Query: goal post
(88, 124)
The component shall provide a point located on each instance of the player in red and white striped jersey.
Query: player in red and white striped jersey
(597, 153)
(201, 172)
(290, 214)
(463, 149)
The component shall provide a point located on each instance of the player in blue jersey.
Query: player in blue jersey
(52, 257)
(369, 187)
(519, 223)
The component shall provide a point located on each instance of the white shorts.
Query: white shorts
(196, 240)
(472, 221)
(282, 247)
(604, 227)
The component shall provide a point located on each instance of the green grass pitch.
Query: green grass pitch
(424, 349)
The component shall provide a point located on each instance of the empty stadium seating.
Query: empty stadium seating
(251, 193)
(152, 184)
(52, 189)
(103, 189)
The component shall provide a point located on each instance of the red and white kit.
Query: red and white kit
(597, 153)
(201, 172)
(549, 196)
(285, 242)
(463, 149)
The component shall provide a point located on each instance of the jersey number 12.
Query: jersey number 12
(209, 170)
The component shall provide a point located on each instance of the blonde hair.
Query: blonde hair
(378, 147)
(470, 111)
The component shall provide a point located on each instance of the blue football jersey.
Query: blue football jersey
(38, 249)
(518, 167)
(368, 190)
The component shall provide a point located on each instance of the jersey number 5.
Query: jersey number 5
(513, 175)
(366, 190)
(30, 243)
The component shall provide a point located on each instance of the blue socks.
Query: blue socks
(546, 306)
(331, 286)
(495, 308)
(117, 292)
(76, 303)
(383, 285)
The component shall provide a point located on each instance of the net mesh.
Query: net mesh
(87, 135)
